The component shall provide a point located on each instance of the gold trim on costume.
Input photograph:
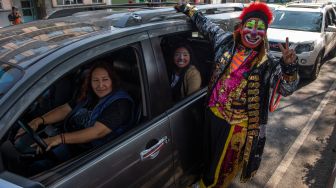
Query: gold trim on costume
(254, 125)
(252, 132)
(254, 85)
(253, 120)
(248, 145)
(192, 10)
(253, 99)
(253, 113)
(253, 92)
(254, 77)
(255, 106)
(289, 78)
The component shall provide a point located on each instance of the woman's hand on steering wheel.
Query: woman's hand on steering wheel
(50, 141)
(37, 139)
(34, 124)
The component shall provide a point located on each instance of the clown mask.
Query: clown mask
(252, 32)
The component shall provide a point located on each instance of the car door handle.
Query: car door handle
(154, 151)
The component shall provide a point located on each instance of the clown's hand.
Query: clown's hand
(288, 55)
(184, 8)
(180, 8)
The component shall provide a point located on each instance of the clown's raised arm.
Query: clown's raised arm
(225, 42)
(216, 34)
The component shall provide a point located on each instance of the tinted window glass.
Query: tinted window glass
(9, 75)
(331, 17)
(302, 21)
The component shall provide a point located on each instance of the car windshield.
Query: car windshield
(9, 75)
(302, 21)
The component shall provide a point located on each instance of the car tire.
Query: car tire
(317, 66)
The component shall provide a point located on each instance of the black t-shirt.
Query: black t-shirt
(118, 114)
(114, 116)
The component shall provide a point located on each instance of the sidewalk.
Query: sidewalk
(332, 178)
(331, 182)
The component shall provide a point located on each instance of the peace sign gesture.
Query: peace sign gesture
(288, 55)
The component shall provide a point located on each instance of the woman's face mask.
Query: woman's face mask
(252, 32)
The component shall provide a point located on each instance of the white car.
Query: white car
(311, 31)
(273, 7)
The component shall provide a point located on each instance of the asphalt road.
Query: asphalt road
(300, 149)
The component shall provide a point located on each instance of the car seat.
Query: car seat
(128, 73)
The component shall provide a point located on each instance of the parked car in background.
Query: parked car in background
(311, 30)
(42, 65)
(273, 6)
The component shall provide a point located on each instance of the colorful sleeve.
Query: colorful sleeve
(289, 78)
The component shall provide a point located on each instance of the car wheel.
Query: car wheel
(317, 66)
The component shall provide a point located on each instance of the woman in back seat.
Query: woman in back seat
(185, 78)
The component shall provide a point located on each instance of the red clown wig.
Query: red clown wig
(257, 10)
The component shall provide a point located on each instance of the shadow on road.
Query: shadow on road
(304, 82)
(316, 174)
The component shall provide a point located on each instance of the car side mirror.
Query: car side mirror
(330, 29)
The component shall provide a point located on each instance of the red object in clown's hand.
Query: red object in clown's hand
(273, 105)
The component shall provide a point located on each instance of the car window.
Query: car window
(327, 19)
(295, 20)
(9, 75)
(200, 63)
(69, 89)
(126, 64)
(330, 17)
(333, 16)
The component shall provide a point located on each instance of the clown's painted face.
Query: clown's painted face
(252, 32)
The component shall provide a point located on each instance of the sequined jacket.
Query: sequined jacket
(261, 76)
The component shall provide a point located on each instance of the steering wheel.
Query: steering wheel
(37, 139)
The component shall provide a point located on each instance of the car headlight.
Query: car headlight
(304, 48)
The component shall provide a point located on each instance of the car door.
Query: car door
(139, 158)
(333, 23)
(186, 116)
(329, 36)
(186, 119)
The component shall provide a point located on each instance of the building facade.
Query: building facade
(5, 9)
(38, 9)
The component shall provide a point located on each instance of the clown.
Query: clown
(238, 93)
